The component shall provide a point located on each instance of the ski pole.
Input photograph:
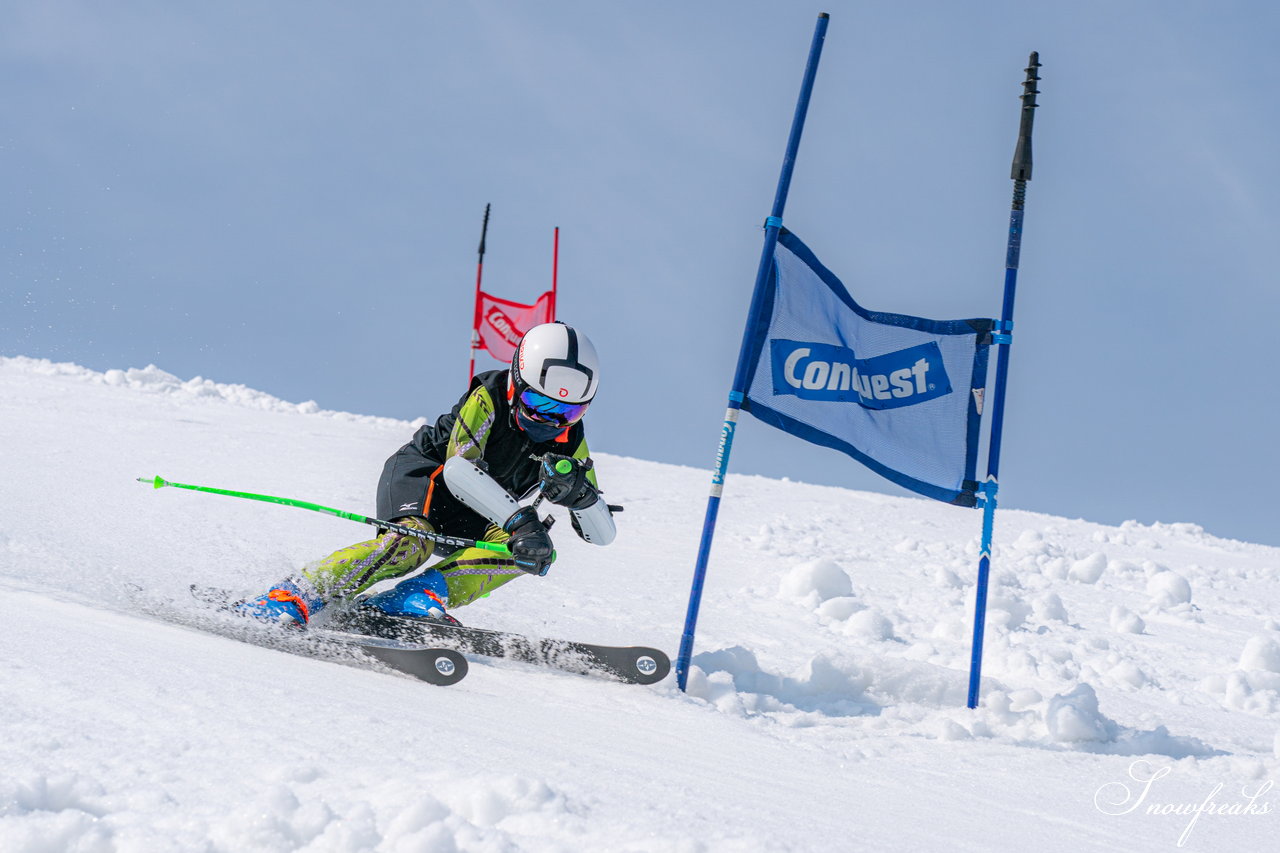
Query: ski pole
(452, 541)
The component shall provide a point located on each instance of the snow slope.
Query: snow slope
(1131, 698)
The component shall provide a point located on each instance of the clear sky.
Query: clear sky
(288, 195)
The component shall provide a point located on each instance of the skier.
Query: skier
(513, 432)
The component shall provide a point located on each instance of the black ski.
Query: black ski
(632, 664)
(424, 661)
(428, 663)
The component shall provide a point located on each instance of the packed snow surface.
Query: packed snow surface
(1131, 698)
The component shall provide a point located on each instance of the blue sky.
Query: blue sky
(288, 195)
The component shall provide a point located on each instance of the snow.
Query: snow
(825, 710)
(1261, 653)
(1125, 621)
(1074, 718)
(1089, 569)
(1168, 589)
(816, 581)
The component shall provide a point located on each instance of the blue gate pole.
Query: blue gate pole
(738, 394)
(1003, 337)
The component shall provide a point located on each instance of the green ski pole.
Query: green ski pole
(452, 541)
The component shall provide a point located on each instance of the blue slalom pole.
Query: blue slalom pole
(1021, 174)
(738, 394)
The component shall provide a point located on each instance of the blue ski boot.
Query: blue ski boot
(423, 596)
(287, 604)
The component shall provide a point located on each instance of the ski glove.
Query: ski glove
(530, 544)
(564, 481)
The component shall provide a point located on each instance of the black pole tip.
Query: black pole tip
(823, 15)
(1021, 171)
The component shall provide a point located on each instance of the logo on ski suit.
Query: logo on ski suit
(823, 372)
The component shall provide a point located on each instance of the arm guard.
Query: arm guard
(595, 523)
(478, 490)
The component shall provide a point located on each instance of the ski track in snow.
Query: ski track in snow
(825, 711)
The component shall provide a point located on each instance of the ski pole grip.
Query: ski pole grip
(496, 547)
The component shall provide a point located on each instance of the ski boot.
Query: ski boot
(423, 596)
(286, 604)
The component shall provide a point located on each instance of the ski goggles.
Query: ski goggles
(539, 407)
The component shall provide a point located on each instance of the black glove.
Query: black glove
(564, 481)
(530, 544)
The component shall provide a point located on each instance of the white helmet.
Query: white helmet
(554, 375)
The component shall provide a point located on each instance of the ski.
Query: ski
(630, 664)
(413, 645)
(435, 665)
(443, 667)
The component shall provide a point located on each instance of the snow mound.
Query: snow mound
(1074, 717)
(1256, 692)
(815, 582)
(869, 625)
(1049, 608)
(839, 609)
(944, 577)
(1007, 612)
(1088, 570)
(1127, 675)
(1261, 653)
(1125, 621)
(1168, 590)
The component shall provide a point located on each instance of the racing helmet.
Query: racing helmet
(554, 376)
